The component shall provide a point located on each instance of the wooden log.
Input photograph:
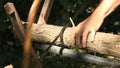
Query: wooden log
(105, 43)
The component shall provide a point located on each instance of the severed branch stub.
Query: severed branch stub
(105, 43)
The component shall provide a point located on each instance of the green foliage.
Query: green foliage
(58, 61)
(64, 9)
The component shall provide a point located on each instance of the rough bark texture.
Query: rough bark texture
(105, 43)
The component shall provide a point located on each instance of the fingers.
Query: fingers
(84, 39)
(92, 36)
(78, 33)
(77, 40)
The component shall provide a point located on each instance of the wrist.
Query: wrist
(98, 15)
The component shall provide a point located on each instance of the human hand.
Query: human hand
(82, 30)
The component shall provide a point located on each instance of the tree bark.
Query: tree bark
(105, 43)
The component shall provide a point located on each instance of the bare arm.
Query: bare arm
(93, 22)
(106, 7)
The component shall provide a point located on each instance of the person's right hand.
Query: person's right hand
(83, 29)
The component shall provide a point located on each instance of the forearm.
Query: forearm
(113, 8)
(106, 7)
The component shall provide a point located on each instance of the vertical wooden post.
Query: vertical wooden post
(45, 11)
(17, 24)
(15, 20)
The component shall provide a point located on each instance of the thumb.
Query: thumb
(92, 36)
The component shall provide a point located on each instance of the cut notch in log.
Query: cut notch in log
(105, 43)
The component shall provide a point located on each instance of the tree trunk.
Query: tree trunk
(105, 43)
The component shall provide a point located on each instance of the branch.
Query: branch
(78, 55)
(105, 43)
(17, 24)
(45, 11)
(15, 20)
